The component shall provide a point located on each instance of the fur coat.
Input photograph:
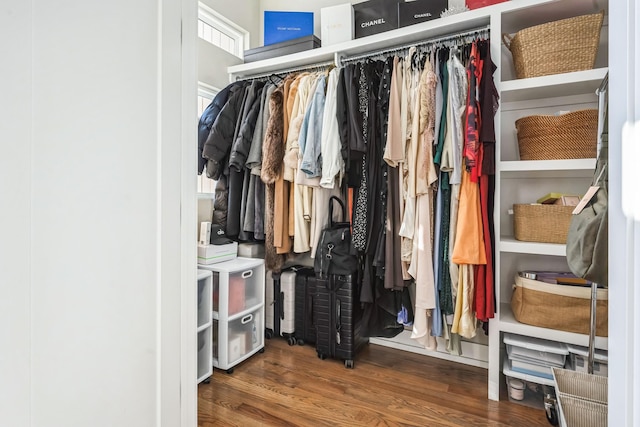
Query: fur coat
(272, 163)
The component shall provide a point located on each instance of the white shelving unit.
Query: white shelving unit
(238, 310)
(516, 181)
(204, 325)
(524, 181)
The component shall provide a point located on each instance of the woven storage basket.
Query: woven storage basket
(560, 307)
(567, 136)
(556, 47)
(542, 223)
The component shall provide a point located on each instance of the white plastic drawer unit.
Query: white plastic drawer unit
(239, 283)
(204, 325)
(238, 310)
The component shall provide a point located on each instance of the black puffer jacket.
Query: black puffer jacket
(242, 144)
(218, 144)
(207, 119)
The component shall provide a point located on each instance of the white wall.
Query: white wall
(624, 232)
(90, 262)
(15, 176)
(213, 61)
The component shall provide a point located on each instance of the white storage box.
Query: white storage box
(251, 250)
(536, 350)
(336, 24)
(579, 357)
(237, 346)
(211, 254)
(535, 356)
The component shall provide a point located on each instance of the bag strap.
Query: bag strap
(344, 209)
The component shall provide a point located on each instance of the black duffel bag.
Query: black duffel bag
(334, 254)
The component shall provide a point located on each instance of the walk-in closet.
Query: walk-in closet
(420, 131)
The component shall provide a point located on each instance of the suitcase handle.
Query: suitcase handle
(247, 274)
(246, 319)
(281, 305)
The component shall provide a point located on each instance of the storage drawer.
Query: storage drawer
(245, 336)
(243, 293)
(241, 285)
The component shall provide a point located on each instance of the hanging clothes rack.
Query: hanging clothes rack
(449, 39)
(313, 67)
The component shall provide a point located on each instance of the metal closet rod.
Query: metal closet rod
(313, 67)
(448, 37)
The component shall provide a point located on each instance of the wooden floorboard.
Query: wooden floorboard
(291, 386)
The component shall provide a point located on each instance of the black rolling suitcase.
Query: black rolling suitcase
(338, 318)
(305, 330)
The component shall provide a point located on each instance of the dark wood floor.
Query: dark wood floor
(291, 386)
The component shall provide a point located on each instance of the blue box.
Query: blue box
(282, 26)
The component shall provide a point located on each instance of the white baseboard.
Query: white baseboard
(473, 353)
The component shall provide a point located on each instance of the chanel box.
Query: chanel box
(336, 24)
(375, 16)
(414, 12)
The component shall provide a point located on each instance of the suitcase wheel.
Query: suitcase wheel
(268, 334)
(207, 381)
(261, 350)
(322, 356)
(300, 342)
(291, 341)
(230, 371)
(348, 364)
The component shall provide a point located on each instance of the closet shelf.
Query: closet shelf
(509, 244)
(508, 323)
(574, 168)
(567, 84)
(387, 40)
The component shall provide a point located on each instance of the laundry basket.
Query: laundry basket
(582, 398)
(556, 47)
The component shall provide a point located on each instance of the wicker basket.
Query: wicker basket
(556, 47)
(567, 136)
(542, 223)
